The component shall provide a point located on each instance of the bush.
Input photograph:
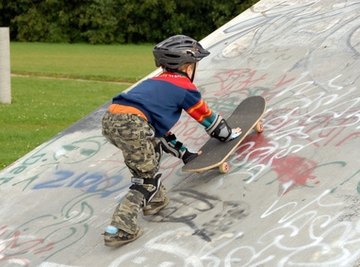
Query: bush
(115, 21)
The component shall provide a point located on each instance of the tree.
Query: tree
(115, 21)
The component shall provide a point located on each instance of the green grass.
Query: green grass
(126, 63)
(41, 107)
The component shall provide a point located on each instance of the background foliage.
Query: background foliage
(115, 21)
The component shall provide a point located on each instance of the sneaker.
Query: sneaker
(114, 237)
(154, 207)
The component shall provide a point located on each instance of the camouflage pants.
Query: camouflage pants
(136, 139)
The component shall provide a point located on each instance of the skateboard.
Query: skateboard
(214, 154)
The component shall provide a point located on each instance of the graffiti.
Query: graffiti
(173, 254)
(291, 197)
(14, 244)
(237, 79)
(87, 182)
(46, 235)
(187, 205)
(312, 220)
(19, 169)
(295, 219)
(75, 152)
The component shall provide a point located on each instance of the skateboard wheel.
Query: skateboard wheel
(259, 127)
(224, 167)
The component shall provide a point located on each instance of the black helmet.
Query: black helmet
(178, 50)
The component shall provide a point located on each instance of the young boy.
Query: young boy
(138, 122)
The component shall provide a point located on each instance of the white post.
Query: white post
(5, 87)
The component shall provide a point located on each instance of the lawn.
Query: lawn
(127, 63)
(42, 107)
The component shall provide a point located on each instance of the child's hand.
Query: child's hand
(234, 133)
(189, 156)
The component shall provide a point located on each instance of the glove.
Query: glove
(171, 146)
(189, 156)
(220, 130)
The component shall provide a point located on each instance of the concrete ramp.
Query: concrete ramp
(291, 198)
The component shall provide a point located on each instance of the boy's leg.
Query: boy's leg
(159, 202)
(124, 219)
(136, 139)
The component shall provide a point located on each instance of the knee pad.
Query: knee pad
(142, 185)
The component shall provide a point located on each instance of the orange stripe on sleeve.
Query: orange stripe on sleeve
(199, 111)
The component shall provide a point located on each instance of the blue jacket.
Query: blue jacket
(162, 99)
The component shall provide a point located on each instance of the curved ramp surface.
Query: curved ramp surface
(291, 198)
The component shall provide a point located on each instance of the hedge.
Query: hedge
(115, 21)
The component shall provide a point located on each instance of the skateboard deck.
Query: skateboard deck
(214, 154)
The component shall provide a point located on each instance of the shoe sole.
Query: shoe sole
(119, 243)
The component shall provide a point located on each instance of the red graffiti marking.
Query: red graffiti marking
(235, 80)
(290, 169)
(15, 244)
(295, 169)
(283, 81)
(329, 129)
(348, 138)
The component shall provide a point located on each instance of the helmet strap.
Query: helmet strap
(193, 73)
